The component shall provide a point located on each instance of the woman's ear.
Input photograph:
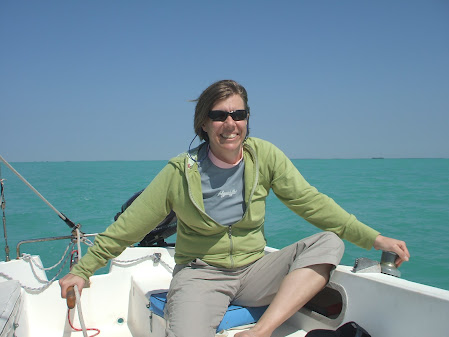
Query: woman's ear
(204, 127)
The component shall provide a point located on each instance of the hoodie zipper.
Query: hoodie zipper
(231, 245)
(256, 180)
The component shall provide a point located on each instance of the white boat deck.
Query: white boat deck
(117, 303)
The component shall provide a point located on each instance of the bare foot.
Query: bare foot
(250, 333)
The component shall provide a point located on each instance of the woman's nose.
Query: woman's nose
(229, 120)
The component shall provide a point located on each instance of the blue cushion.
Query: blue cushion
(234, 316)
(157, 303)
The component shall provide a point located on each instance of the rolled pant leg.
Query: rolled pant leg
(263, 279)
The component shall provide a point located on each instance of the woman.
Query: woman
(218, 193)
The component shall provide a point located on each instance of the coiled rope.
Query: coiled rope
(80, 317)
(63, 261)
(156, 257)
(28, 258)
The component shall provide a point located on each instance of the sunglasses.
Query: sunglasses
(221, 116)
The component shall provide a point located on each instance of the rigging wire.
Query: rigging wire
(62, 216)
(3, 205)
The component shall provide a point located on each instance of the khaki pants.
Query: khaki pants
(199, 294)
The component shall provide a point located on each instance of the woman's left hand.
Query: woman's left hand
(392, 245)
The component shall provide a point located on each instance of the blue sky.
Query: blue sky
(112, 80)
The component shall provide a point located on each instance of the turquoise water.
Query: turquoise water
(403, 198)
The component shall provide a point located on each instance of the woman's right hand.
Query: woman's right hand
(71, 280)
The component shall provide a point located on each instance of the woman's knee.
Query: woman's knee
(335, 241)
(323, 238)
(321, 248)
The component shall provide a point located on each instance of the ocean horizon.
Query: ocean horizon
(167, 159)
(404, 198)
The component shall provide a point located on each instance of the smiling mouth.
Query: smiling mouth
(230, 136)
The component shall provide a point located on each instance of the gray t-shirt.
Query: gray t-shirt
(223, 191)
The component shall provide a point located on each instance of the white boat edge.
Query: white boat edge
(116, 303)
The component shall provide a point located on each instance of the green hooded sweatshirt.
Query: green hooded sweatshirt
(178, 187)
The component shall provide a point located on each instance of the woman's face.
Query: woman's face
(226, 138)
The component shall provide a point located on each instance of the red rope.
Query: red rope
(91, 329)
(71, 257)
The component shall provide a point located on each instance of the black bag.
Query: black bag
(350, 329)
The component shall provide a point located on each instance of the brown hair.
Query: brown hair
(215, 92)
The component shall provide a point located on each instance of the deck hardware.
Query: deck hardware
(386, 266)
(387, 263)
(365, 265)
(157, 257)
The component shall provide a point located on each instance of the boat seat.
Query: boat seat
(10, 295)
(235, 315)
